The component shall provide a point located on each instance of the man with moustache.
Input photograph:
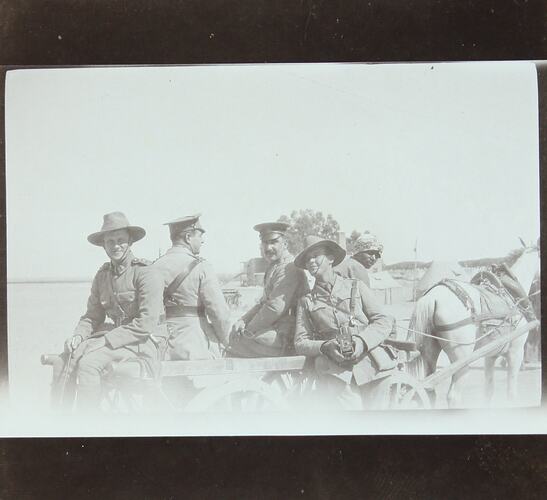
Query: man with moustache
(267, 329)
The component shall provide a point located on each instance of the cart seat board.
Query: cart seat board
(232, 365)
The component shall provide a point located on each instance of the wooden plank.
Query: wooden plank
(437, 377)
(226, 366)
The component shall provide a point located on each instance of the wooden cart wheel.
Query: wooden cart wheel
(400, 391)
(121, 398)
(127, 390)
(238, 395)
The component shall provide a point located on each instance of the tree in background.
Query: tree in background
(307, 222)
(351, 241)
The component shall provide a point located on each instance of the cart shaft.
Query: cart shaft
(437, 377)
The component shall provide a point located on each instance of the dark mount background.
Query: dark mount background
(80, 32)
(217, 31)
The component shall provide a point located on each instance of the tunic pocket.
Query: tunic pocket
(316, 306)
(125, 298)
(383, 358)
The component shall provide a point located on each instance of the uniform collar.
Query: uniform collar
(323, 288)
(119, 268)
(177, 249)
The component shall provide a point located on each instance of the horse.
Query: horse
(441, 306)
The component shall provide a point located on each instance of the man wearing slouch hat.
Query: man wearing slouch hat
(129, 293)
(341, 327)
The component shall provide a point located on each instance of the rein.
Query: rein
(505, 319)
(489, 332)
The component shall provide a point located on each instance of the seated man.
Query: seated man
(268, 328)
(341, 326)
(197, 316)
(129, 293)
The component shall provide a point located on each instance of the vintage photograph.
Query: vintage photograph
(273, 249)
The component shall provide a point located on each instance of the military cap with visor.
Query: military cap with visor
(271, 230)
(314, 243)
(188, 223)
(112, 222)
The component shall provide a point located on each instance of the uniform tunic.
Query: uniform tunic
(269, 325)
(350, 268)
(327, 307)
(197, 315)
(129, 294)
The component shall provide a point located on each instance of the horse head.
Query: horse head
(524, 264)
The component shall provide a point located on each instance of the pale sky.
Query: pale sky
(445, 153)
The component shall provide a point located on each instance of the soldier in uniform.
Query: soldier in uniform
(320, 317)
(129, 293)
(267, 329)
(197, 316)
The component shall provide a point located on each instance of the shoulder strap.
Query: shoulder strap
(352, 299)
(141, 262)
(181, 277)
(105, 266)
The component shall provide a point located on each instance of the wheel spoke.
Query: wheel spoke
(408, 399)
(398, 394)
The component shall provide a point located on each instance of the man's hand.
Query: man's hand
(331, 350)
(72, 343)
(359, 349)
(239, 327)
(88, 346)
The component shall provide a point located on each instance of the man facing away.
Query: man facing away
(197, 316)
(267, 329)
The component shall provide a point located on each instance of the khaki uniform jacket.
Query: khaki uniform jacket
(198, 336)
(130, 295)
(320, 314)
(350, 268)
(272, 320)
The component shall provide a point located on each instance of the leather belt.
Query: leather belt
(181, 311)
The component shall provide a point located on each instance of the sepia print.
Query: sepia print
(273, 249)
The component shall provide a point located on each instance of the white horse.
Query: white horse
(440, 306)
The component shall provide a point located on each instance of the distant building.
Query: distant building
(383, 284)
(253, 274)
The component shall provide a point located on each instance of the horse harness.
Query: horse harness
(488, 290)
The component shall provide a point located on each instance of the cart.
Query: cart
(266, 384)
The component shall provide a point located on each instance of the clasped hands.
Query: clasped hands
(331, 350)
(238, 329)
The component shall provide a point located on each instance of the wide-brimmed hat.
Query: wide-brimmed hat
(367, 243)
(314, 242)
(186, 223)
(112, 222)
(271, 230)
